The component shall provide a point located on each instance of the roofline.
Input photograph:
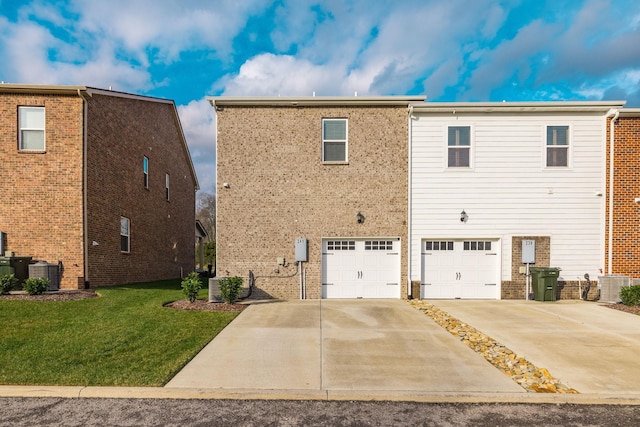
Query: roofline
(313, 101)
(630, 112)
(517, 107)
(74, 90)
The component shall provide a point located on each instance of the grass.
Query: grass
(123, 338)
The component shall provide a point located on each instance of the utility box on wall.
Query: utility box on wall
(301, 249)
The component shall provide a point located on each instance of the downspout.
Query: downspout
(85, 226)
(409, 222)
(615, 113)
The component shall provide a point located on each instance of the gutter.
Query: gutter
(409, 207)
(85, 225)
(614, 114)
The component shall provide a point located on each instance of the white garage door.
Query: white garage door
(460, 269)
(361, 268)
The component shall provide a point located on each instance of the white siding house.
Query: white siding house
(484, 177)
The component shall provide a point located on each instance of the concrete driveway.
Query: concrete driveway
(587, 346)
(388, 349)
(329, 347)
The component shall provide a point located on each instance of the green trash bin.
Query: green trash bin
(544, 281)
(5, 267)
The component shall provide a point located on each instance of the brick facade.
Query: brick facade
(626, 188)
(279, 189)
(43, 202)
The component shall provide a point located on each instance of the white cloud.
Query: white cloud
(199, 125)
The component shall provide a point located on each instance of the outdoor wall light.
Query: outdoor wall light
(360, 218)
(463, 216)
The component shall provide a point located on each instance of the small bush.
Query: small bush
(7, 283)
(36, 285)
(630, 295)
(191, 285)
(230, 288)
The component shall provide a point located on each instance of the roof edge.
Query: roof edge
(73, 90)
(305, 101)
(630, 112)
(529, 106)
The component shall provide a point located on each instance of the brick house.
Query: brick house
(623, 193)
(331, 170)
(100, 181)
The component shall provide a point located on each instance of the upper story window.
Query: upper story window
(145, 171)
(125, 235)
(557, 146)
(166, 186)
(334, 140)
(459, 147)
(32, 134)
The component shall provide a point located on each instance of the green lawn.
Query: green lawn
(123, 338)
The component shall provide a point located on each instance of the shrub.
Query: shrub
(36, 285)
(191, 285)
(230, 288)
(630, 295)
(7, 283)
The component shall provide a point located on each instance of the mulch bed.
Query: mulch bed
(74, 295)
(633, 309)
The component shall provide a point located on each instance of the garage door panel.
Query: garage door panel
(460, 269)
(361, 268)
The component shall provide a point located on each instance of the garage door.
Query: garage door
(361, 268)
(460, 269)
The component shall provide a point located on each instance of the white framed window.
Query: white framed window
(459, 146)
(341, 245)
(334, 140)
(557, 150)
(166, 186)
(438, 245)
(125, 235)
(145, 171)
(32, 128)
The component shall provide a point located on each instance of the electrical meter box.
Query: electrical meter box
(528, 251)
(301, 249)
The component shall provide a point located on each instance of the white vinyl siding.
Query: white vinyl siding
(510, 191)
(32, 128)
(334, 140)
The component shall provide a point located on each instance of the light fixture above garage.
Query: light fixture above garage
(463, 216)
(360, 218)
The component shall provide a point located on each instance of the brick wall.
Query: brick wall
(121, 132)
(515, 289)
(41, 193)
(626, 214)
(279, 189)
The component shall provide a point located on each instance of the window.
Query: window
(334, 140)
(378, 245)
(438, 245)
(459, 146)
(31, 133)
(145, 170)
(166, 186)
(477, 246)
(341, 245)
(125, 235)
(557, 146)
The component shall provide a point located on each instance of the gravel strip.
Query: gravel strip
(526, 374)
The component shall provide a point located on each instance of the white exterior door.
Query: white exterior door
(467, 269)
(361, 268)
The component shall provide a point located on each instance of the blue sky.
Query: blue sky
(447, 50)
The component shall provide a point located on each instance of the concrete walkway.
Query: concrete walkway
(369, 346)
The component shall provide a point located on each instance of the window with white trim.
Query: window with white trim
(480, 245)
(166, 187)
(341, 245)
(378, 245)
(125, 235)
(557, 146)
(145, 171)
(32, 128)
(459, 146)
(334, 140)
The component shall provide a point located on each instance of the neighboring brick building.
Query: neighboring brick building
(623, 245)
(331, 170)
(100, 181)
